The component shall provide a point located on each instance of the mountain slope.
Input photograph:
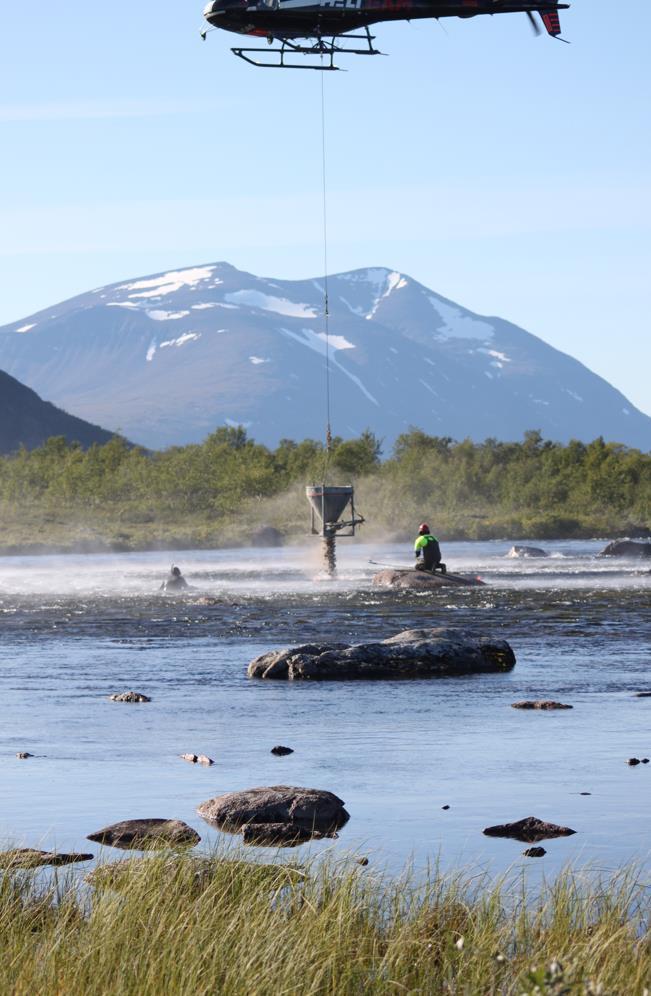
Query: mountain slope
(26, 420)
(167, 358)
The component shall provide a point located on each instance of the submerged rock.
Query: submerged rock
(632, 761)
(535, 852)
(130, 697)
(643, 695)
(281, 751)
(197, 759)
(540, 704)
(28, 857)
(520, 552)
(529, 831)
(422, 580)
(146, 834)
(23, 755)
(280, 834)
(315, 810)
(415, 653)
(627, 548)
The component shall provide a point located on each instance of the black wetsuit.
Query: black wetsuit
(428, 545)
(175, 582)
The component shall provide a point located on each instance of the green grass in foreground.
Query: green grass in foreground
(182, 925)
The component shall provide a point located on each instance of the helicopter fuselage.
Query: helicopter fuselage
(305, 19)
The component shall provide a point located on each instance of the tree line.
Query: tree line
(530, 487)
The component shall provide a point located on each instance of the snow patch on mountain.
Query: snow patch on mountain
(26, 328)
(499, 359)
(317, 342)
(456, 325)
(257, 360)
(121, 304)
(336, 341)
(165, 316)
(151, 352)
(428, 387)
(354, 310)
(170, 283)
(392, 281)
(266, 302)
(181, 341)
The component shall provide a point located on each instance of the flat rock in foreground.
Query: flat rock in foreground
(422, 580)
(414, 653)
(529, 831)
(28, 857)
(145, 834)
(313, 810)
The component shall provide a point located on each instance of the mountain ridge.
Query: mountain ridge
(26, 420)
(170, 356)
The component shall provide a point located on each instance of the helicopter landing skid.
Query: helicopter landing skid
(325, 51)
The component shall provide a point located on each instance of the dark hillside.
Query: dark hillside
(26, 420)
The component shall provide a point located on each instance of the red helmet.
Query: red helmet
(423, 528)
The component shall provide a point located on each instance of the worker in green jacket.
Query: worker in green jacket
(428, 546)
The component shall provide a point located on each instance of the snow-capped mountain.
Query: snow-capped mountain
(166, 359)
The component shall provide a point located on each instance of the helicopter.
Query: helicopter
(319, 30)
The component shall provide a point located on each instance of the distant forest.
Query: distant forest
(220, 491)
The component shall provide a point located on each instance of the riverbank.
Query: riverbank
(32, 528)
(177, 924)
(229, 490)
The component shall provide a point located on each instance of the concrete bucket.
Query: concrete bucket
(328, 502)
(327, 506)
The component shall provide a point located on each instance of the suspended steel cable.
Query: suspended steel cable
(326, 306)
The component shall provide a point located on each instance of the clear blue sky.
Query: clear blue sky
(506, 172)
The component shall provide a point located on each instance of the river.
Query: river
(75, 629)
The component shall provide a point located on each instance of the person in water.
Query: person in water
(428, 546)
(175, 581)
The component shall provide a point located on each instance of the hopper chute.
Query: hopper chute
(332, 512)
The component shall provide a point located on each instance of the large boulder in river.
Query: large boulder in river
(146, 834)
(414, 580)
(414, 653)
(529, 830)
(313, 810)
(627, 548)
(130, 697)
(523, 552)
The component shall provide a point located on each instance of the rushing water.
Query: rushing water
(75, 629)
